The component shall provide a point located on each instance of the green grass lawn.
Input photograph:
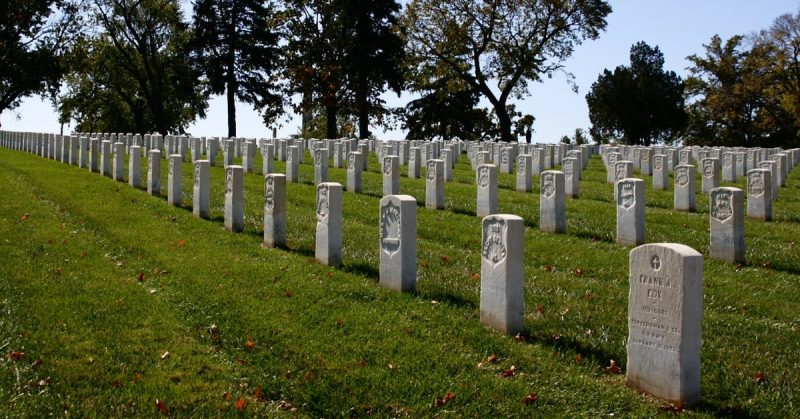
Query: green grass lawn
(115, 304)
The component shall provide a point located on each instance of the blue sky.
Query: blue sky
(678, 27)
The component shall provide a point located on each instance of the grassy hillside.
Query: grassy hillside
(115, 304)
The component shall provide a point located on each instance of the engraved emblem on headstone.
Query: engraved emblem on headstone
(317, 156)
(755, 186)
(494, 248)
(657, 163)
(171, 164)
(197, 175)
(229, 181)
(521, 165)
(548, 185)
(483, 176)
(681, 176)
(536, 157)
(269, 194)
(619, 171)
(727, 161)
(387, 166)
(721, 207)
(431, 175)
(322, 203)
(568, 168)
(708, 168)
(351, 160)
(655, 262)
(626, 196)
(739, 158)
(411, 159)
(504, 156)
(390, 228)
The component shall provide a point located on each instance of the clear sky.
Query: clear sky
(678, 27)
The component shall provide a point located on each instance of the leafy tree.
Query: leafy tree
(151, 47)
(443, 113)
(499, 47)
(565, 139)
(32, 40)
(580, 136)
(640, 104)
(373, 53)
(237, 42)
(524, 127)
(314, 62)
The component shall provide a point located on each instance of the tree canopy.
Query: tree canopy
(637, 104)
(498, 48)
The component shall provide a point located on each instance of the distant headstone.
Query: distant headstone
(398, 242)
(154, 172)
(354, 172)
(228, 153)
(329, 223)
(434, 184)
(414, 158)
(212, 147)
(684, 197)
(248, 156)
(773, 169)
(502, 303)
(726, 209)
(293, 164)
(83, 152)
(552, 205)
(630, 211)
(710, 174)
(135, 166)
(320, 165)
(234, 198)
(660, 172)
(759, 194)
(447, 167)
(665, 312)
(571, 167)
(267, 157)
(118, 172)
(729, 173)
(524, 176)
(486, 179)
(175, 180)
(201, 192)
(274, 210)
(105, 158)
(506, 164)
(391, 175)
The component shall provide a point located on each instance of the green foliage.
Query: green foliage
(580, 136)
(140, 60)
(32, 41)
(237, 46)
(509, 42)
(639, 104)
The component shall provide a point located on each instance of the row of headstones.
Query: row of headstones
(665, 300)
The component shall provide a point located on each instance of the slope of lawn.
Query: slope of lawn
(115, 304)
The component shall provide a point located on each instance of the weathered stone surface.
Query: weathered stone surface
(201, 193)
(274, 210)
(248, 156)
(267, 157)
(320, 165)
(398, 242)
(773, 169)
(726, 209)
(234, 198)
(729, 173)
(552, 205)
(105, 158)
(630, 211)
(665, 312)
(328, 243)
(759, 194)
(503, 273)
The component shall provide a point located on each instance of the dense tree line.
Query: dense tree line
(151, 66)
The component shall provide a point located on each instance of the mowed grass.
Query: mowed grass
(98, 281)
